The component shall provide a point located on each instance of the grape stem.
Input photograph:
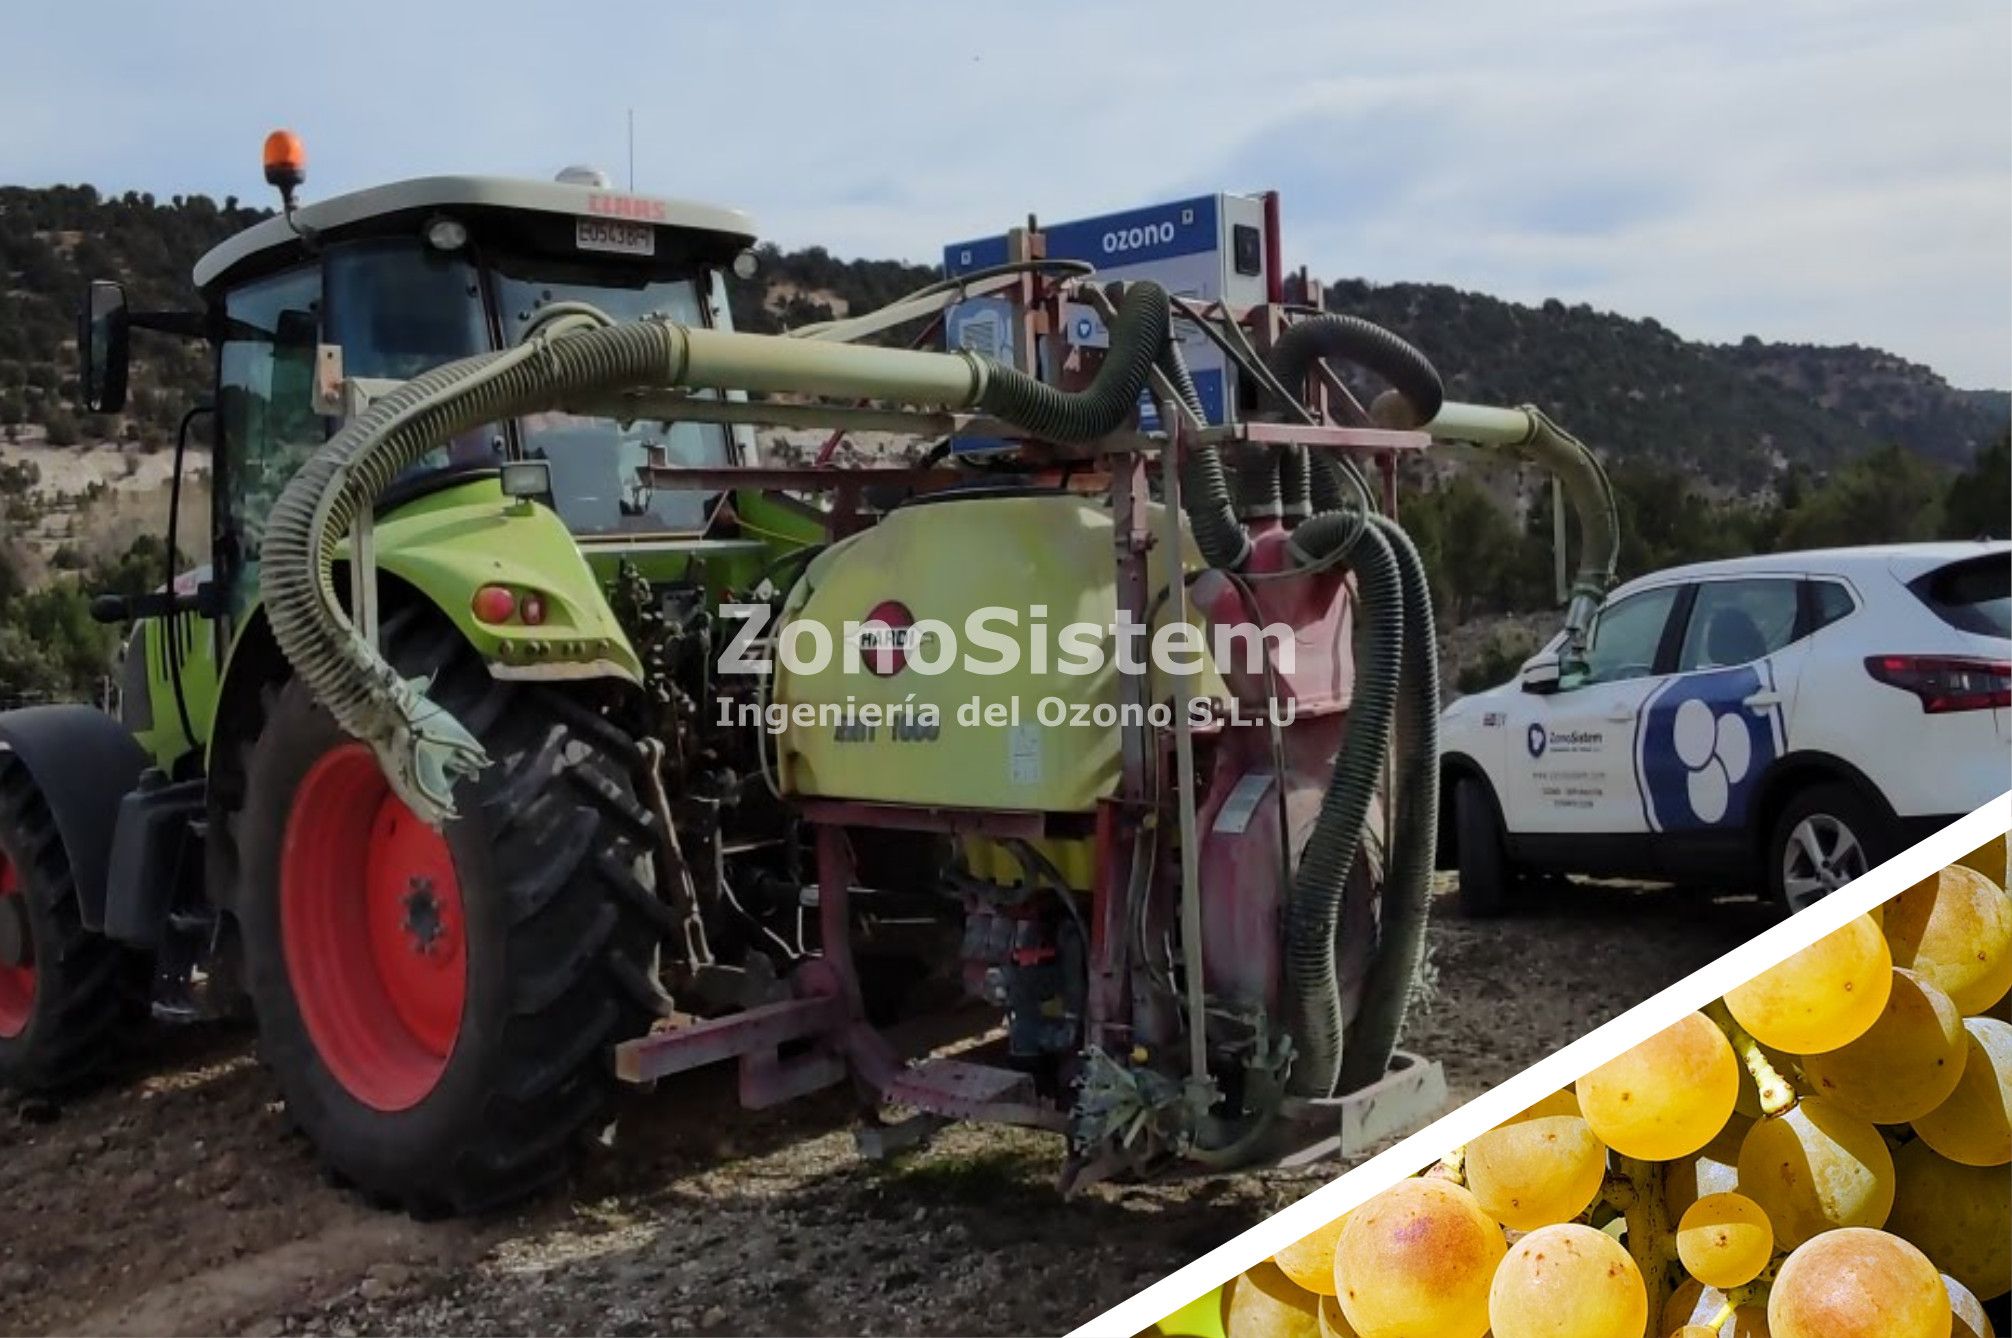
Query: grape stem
(1739, 1298)
(1452, 1167)
(1776, 1095)
(1650, 1239)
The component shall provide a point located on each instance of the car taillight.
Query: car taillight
(1945, 682)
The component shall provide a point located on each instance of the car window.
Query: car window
(1625, 636)
(1828, 602)
(1738, 622)
(1974, 595)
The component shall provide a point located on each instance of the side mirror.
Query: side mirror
(1541, 673)
(110, 608)
(103, 336)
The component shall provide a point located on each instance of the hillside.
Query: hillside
(1737, 416)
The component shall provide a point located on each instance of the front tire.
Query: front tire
(438, 1009)
(1824, 837)
(67, 995)
(1486, 876)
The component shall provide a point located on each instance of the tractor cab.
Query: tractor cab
(315, 311)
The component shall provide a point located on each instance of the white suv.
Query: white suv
(1795, 718)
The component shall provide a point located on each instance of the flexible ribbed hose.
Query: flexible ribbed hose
(1259, 494)
(1295, 484)
(1313, 910)
(1591, 494)
(423, 747)
(1366, 344)
(1205, 488)
(1407, 886)
(1138, 333)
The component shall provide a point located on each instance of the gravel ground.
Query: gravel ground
(178, 1201)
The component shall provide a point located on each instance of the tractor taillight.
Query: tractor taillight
(494, 604)
(1946, 682)
(531, 610)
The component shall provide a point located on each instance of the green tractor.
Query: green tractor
(528, 734)
(437, 1007)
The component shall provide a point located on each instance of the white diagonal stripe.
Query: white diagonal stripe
(1552, 1072)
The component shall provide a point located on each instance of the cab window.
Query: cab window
(265, 408)
(1626, 635)
(1738, 622)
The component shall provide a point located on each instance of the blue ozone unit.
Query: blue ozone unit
(1209, 248)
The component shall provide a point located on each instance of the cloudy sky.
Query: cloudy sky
(1835, 170)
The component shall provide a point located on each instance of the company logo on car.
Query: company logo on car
(1702, 751)
(1536, 740)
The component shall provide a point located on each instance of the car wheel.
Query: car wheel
(1825, 837)
(1486, 877)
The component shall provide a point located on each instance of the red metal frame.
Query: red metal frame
(825, 1027)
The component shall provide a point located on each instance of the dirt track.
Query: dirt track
(179, 1202)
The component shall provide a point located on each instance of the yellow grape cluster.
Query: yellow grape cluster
(1825, 1153)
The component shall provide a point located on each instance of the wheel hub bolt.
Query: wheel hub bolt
(422, 916)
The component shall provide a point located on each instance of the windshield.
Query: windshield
(398, 308)
(595, 463)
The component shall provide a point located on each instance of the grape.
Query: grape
(1967, 1316)
(1989, 860)
(1725, 1240)
(1536, 1172)
(1714, 1169)
(1414, 1262)
(1905, 1065)
(1564, 1101)
(1857, 1283)
(1309, 1261)
(1815, 1167)
(1666, 1097)
(1568, 1281)
(1974, 1126)
(1822, 997)
(1334, 1324)
(1959, 1216)
(1694, 1303)
(1265, 1303)
(1955, 928)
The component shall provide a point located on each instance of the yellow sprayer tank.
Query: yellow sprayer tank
(1030, 738)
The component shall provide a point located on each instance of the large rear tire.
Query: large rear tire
(439, 1010)
(67, 995)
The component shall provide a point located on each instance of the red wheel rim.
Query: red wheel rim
(372, 927)
(17, 983)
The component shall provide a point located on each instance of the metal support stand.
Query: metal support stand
(1409, 1095)
(1174, 415)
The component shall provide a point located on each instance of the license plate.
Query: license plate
(607, 234)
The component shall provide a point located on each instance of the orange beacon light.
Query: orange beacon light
(285, 161)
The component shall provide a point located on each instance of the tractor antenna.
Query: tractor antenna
(632, 150)
(286, 170)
